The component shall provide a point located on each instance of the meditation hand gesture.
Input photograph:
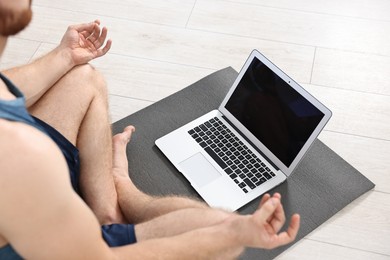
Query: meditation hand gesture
(261, 229)
(85, 42)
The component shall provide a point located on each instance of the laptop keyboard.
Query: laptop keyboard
(232, 155)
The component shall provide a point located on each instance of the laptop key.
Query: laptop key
(203, 144)
(228, 170)
(245, 190)
(262, 180)
(267, 176)
(198, 140)
(249, 183)
(258, 175)
(191, 132)
(203, 127)
(216, 158)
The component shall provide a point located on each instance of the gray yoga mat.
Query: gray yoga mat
(322, 184)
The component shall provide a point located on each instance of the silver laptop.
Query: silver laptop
(253, 142)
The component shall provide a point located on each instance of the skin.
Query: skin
(71, 96)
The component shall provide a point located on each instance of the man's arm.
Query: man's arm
(43, 218)
(80, 44)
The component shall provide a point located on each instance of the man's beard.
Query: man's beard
(12, 22)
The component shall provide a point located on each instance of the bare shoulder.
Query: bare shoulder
(27, 153)
(39, 208)
(14, 134)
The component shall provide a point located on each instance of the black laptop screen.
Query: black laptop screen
(273, 111)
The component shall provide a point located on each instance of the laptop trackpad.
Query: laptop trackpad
(199, 170)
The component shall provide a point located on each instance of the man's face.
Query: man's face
(15, 15)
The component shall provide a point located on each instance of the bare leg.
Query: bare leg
(160, 216)
(76, 106)
(135, 204)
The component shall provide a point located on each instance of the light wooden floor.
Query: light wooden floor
(338, 49)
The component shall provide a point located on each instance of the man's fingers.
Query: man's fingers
(101, 52)
(264, 199)
(95, 34)
(89, 27)
(267, 209)
(278, 218)
(294, 225)
(100, 41)
(287, 236)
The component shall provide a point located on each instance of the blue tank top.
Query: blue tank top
(15, 110)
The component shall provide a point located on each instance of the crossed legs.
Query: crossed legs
(76, 106)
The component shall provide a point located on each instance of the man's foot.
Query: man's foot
(119, 144)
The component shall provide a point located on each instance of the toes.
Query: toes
(127, 132)
(124, 137)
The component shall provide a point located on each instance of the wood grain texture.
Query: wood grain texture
(339, 47)
(282, 25)
(349, 70)
(355, 112)
(169, 12)
(20, 53)
(366, 9)
(349, 228)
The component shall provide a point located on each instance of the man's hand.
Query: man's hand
(84, 42)
(261, 229)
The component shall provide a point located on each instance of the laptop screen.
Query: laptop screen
(275, 113)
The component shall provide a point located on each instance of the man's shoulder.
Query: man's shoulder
(16, 136)
(23, 146)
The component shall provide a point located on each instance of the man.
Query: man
(62, 175)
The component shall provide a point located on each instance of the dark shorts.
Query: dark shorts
(115, 234)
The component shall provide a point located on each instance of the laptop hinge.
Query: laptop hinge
(249, 141)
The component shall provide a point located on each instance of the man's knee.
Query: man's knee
(90, 78)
